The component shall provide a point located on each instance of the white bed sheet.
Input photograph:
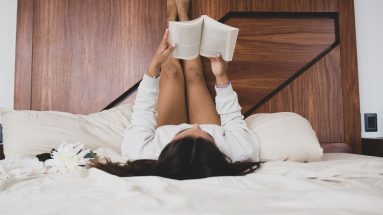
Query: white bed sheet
(340, 184)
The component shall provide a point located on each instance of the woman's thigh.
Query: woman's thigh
(171, 104)
(201, 106)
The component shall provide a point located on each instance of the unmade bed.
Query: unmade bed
(340, 184)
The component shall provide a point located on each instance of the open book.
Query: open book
(203, 36)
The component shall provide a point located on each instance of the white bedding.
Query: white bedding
(340, 184)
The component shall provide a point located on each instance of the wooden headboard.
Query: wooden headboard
(291, 55)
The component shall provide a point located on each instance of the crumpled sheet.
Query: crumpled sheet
(341, 184)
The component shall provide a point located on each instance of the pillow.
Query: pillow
(35, 132)
(285, 136)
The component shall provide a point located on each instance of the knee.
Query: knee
(194, 76)
(171, 71)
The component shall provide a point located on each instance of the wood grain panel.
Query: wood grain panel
(24, 45)
(271, 50)
(86, 53)
(218, 8)
(316, 95)
(348, 60)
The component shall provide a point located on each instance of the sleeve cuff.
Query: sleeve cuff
(226, 91)
(150, 83)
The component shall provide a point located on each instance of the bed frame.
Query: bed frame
(291, 55)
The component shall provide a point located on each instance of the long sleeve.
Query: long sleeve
(137, 137)
(241, 143)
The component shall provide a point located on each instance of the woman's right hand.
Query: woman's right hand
(162, 54)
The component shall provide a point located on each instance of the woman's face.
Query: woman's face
(195, 131)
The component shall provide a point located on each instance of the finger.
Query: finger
(166, 35)
(211, 58)
(214, 58)
(219, 57)
(169, 49)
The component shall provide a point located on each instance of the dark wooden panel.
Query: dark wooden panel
(349, 67)
(128, 99)
(373, 146)
(1, 143)
(316, 95)
(290, 5)
(23, 67)
(336, 148)
(218, 8)
(271, 50)
(1, 152)
(86, 53)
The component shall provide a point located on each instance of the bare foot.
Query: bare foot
(183, 9)
(171, 10)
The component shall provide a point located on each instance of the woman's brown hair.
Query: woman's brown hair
(185, 158)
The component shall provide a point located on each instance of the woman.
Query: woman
(176, 129)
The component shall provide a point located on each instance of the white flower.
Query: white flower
(67, 158)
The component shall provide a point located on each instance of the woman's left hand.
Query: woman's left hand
(218, 66)
(219, 69)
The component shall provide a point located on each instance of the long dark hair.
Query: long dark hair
(184, 158)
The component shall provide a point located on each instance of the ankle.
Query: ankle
(184, 18)
(171, 10)
(183, 9)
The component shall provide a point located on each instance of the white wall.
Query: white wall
(8, 12)
(369, 36)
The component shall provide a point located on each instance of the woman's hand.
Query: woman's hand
(219, 69)
(162, 54)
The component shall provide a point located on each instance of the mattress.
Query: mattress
(340, 184)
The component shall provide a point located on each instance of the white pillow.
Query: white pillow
(35, 132)
(285, 136)
(3, 109)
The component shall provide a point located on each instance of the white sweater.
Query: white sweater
(143, 140)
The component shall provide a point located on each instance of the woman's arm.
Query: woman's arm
(242, 144)
(144, 117)
(226, 100)
(143, 122)
(162, 54)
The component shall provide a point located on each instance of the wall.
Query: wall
(8, 11)
(369, 34)
(369, 43)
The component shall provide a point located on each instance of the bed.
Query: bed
(291, 56)
(340, 184)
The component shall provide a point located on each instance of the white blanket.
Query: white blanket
(341, 184)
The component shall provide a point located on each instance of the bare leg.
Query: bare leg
(171, 105)
(183, 9)
(171, 9)
(201, 106)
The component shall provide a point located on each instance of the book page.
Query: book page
(187, 36)
(218, 38)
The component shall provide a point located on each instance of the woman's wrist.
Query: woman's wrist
(223, 85)
(222, 80)
(154, 69)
